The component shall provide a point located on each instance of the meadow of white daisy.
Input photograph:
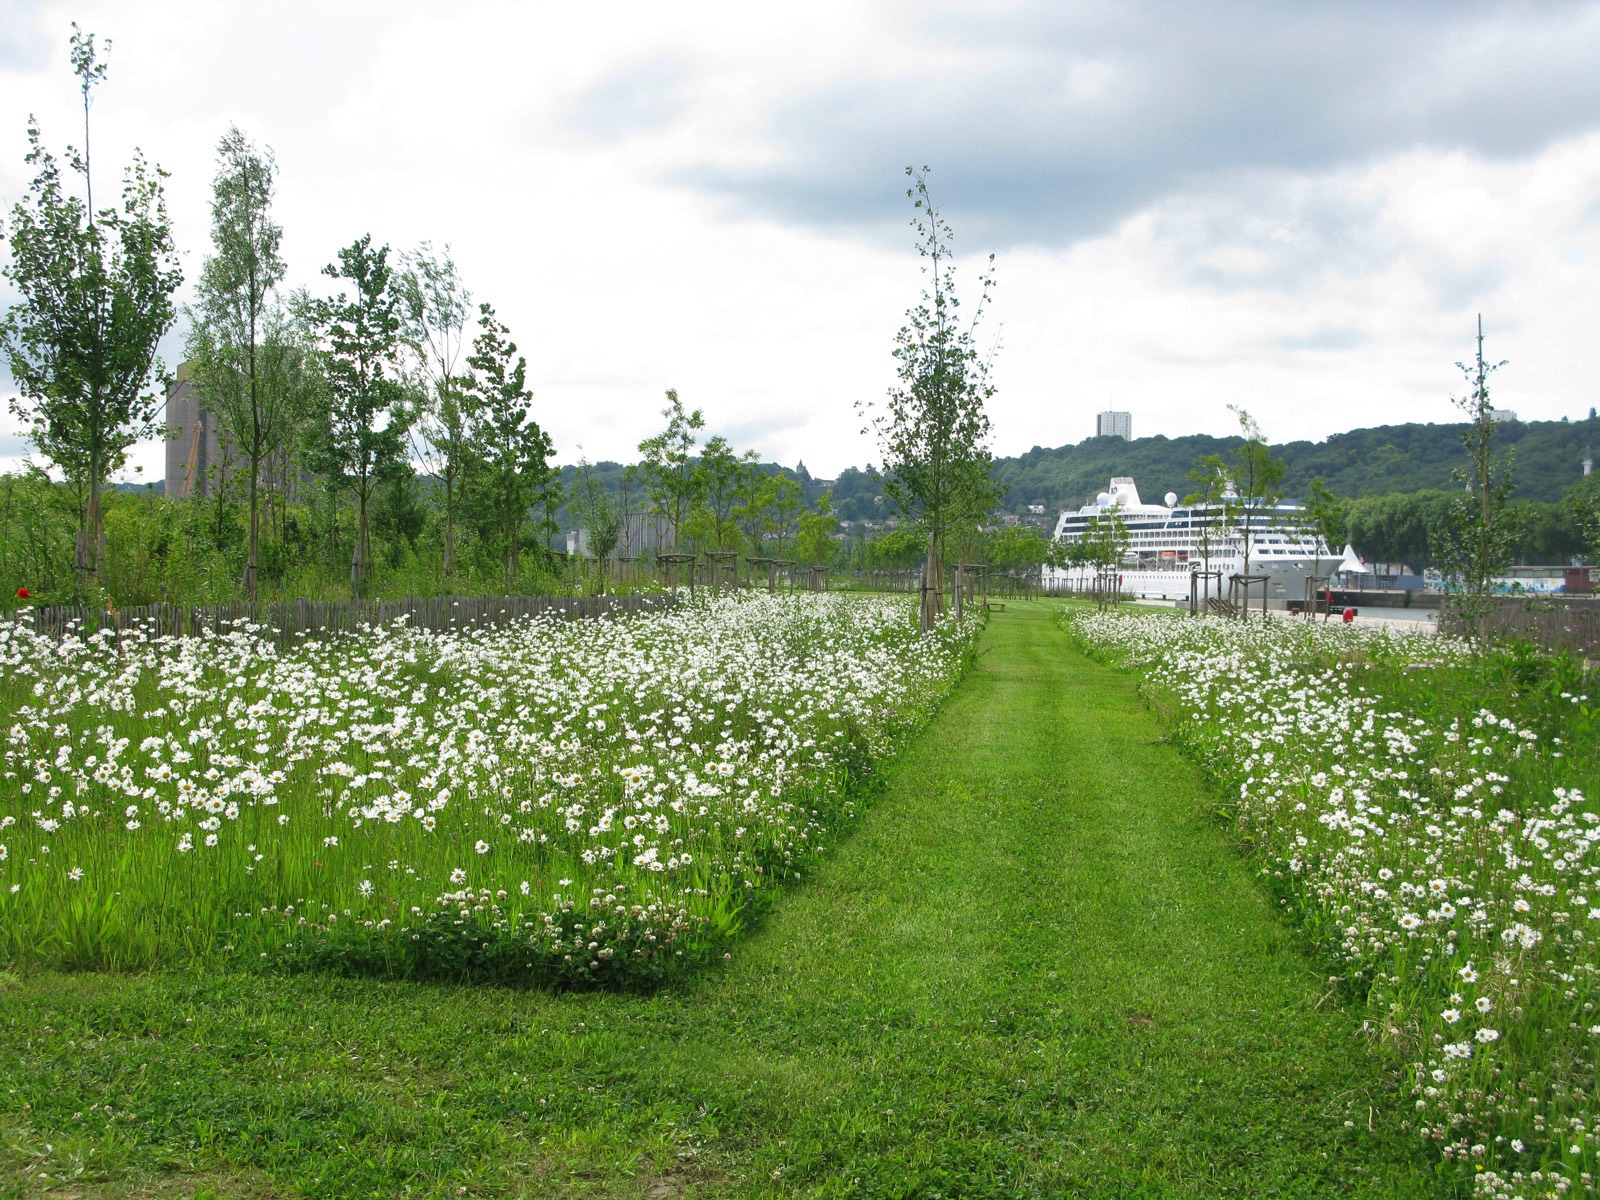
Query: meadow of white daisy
(567, 802)
(1428, 812)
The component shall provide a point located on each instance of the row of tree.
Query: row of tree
(324, 406)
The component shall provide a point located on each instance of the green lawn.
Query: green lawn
(1035, 968)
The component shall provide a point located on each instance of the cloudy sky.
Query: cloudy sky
(1297, 207)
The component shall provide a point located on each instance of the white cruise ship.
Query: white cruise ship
(1165, 547)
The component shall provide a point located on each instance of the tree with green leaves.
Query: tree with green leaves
(814, 544)
(437, 307)
(1257, 486)
(238, 332)
(932, 429)
(1208, 502)
(720, 483)
(1484, 525)
(597, 515)
(1581, 502)
(363, 431)
(96, 292)
(666, 469)
(511, 453)
(782, 500)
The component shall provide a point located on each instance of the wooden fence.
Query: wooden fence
(293, 621)
(1571, 624)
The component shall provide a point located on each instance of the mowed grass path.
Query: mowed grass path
(1035, 968)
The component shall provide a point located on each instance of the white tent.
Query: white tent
(1352, 564)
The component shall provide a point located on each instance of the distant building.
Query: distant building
(195, 442)
(641, 535)
(1114, 424)
(201, 457)
(1502, 414)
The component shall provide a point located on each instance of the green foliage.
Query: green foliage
(1484, 526)
(248, 360)
(722, 479)
(36, 527)
(95, 293)
(510, 452)
(596, 514)
(436, 305)
(1257, 483)
(1356, 464)
(1582, 507)
(363, 429)
(814, 545)
(666, 469)
(933, 431)
(1020, 548)
(1327, 516)
(1123, 1012)
(1209, 474)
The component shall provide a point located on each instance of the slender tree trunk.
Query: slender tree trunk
(358, 560)
(88, 548)
(252, 558)
(508, 530)
(449, 532)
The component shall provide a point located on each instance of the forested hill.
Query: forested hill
(1363, 462)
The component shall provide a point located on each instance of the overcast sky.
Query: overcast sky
(1296, 207)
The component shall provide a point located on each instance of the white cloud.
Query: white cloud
(1263, 207)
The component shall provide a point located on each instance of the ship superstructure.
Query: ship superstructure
(1168, 542)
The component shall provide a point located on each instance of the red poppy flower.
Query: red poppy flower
(22, 593)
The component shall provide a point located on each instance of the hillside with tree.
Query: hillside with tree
(1363, 462)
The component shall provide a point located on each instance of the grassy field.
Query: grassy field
(1035, 968)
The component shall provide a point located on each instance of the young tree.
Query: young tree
(782, 501)
(597, 515)
(237, 331)
(666, 469)
(1581, 502)
(1210, 477)
(364, 429)
(720, 481)
(436, 306)
(1324, 521)
(96, 296)
(511, 453)
(750, 510)
(1484, 525)
(813, 544)
(932, 429)
(1258, 484)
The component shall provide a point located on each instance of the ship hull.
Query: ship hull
(1284, 580)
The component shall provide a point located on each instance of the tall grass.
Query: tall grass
(563, 802)
(1429, 814)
